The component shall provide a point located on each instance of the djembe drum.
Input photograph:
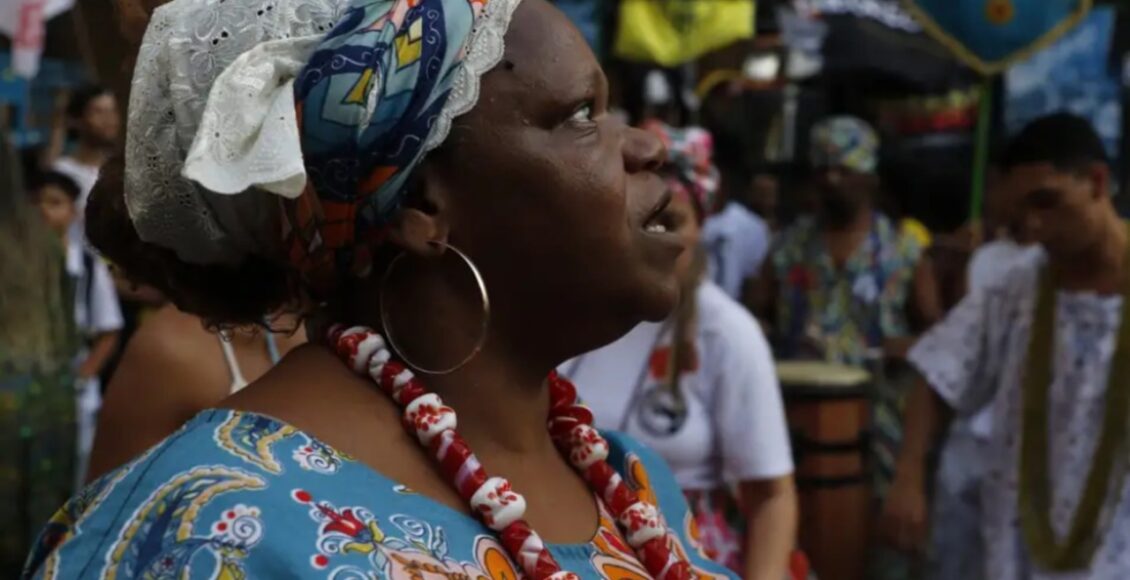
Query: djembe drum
(828, 418)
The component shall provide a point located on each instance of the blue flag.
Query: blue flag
(990, 35)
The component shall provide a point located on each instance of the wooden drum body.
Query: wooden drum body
(829, 416)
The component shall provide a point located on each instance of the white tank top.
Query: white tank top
(238, 381)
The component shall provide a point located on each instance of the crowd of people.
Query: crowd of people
(238, 334)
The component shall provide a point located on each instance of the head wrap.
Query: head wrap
(846, 142)
(332, 124)
(210, 116)
(378, 93)
(690, 153)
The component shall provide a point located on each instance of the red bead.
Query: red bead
(546, 566)
(618, 497)
(515, 535)
(654, 555)
(514, 538)
(680, 570)
(456, 453)
(578, 413)
(412, 391)
(559, 429)
(562, 394)
(389, 372)
(561, 425)
(347, 345)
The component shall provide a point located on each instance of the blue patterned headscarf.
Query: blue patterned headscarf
(846, 142)
(380, 92)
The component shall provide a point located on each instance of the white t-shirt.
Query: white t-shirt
(989, 263)
(734, 428)
(736, 241)
(991, 260)
(85, 176)
(979, 355)
(97, 310)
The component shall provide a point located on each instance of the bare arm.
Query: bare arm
(927, 299)
(904, 521)
(101, 350)
(771, 511)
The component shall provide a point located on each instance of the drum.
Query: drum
(828, 415)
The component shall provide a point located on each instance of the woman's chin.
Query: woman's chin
(659, 300)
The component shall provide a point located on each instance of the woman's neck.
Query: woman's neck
(502, 402)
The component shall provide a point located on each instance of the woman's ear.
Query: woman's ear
(423, 224)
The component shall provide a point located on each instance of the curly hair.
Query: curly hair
(223, 296)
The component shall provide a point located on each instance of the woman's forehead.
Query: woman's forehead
(542, 45)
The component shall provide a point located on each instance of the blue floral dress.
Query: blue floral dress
(237, 495)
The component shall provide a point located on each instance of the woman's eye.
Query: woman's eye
(582, 115)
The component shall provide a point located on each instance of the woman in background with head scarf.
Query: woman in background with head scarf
(700, 388)
(445, 171)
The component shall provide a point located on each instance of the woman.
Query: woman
(38, 344)
(334, 190)
(201, 368)
(701, 390)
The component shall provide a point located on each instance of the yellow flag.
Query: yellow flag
(672, 32)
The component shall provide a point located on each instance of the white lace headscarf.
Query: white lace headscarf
(213, 144)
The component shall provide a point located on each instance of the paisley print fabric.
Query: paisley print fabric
(237, 495)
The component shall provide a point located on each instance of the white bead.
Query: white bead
(498, 505)
(531, 549)
(640, 523)
(563, 575)
(377, 364)
(365, 351)
(354, 330)
(586, 446)
(400, 381)
(429, 417)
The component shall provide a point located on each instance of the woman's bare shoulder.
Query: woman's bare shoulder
(170, 355)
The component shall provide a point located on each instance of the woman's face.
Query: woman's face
(556, 200)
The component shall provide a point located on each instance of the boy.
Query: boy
(98, 315)
(1044, 347)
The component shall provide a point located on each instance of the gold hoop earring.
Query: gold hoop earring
(482, 296)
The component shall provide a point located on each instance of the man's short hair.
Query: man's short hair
(1068, 142)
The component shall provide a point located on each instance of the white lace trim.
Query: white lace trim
(485, 49)
(187, 46)
(248, 136)
(204, 157)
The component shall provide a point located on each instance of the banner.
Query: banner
(674, 32)
(991, 35)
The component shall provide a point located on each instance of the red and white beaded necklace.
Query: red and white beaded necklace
(500, 508)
